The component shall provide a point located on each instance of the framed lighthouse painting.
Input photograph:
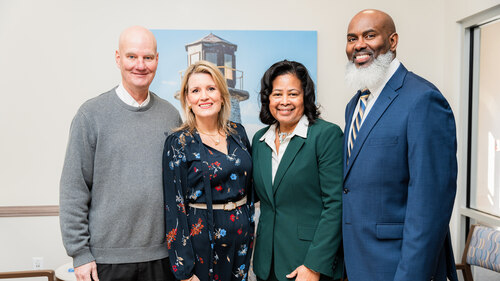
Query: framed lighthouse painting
(241, 56)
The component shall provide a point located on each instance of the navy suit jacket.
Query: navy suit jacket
(400, 185)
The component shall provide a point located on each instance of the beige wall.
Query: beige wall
(57, 54)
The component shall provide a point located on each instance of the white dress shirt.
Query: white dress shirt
(270, 135)
(125, 96)
(374, 93)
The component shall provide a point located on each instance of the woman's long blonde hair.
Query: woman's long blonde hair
(203, 66)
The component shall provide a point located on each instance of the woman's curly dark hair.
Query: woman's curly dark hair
(300, 71)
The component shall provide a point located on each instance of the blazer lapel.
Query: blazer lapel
(349, 112)
(265, 161)
(387, 96)
(291, 151)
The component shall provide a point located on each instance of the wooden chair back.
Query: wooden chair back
(481, 249)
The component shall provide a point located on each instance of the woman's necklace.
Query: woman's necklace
(282, 136)
(212, 137)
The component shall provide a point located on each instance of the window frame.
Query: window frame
(469, 97)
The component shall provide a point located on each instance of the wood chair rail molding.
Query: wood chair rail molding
(29, 211)
(49, 273)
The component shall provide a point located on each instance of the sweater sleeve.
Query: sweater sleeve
(180, 249)
(75, 190)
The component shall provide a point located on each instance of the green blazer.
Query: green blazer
(300, 220)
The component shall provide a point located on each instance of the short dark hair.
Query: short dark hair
(266, 88)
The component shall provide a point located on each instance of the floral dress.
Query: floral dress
(213, 244)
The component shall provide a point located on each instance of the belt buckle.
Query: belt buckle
(229, 206)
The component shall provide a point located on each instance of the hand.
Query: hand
(83, 272)
(193, 278)
(302, 273)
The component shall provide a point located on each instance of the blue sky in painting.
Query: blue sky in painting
(257, 50)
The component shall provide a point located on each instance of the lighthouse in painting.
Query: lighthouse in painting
(221, 53)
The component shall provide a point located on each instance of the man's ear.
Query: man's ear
(117, 58)
(393, 40)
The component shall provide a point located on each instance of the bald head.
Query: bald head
(134, 34)
(370, 33)
(137, 59)
(375, 17)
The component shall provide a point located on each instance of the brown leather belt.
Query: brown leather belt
(229, 206)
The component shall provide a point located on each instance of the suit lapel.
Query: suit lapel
(291, 151)
(349, 112)
(265, 160)
(387, 96)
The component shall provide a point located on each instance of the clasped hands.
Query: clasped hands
(192, 278)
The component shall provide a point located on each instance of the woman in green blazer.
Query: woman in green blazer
(298, 178)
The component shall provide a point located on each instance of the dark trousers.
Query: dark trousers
(158, 270)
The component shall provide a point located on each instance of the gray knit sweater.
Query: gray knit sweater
(111, 195)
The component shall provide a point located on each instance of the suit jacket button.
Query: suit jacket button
(346, 190)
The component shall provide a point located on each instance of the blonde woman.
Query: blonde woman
(207, 173)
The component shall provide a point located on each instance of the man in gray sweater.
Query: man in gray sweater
(111, 196)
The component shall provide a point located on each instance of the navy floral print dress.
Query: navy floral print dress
(213, 244)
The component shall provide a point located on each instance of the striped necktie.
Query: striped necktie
(359, 118)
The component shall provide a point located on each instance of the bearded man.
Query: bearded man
(400, 164)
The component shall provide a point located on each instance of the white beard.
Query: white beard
(370, 77)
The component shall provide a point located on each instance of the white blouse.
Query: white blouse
(270, 135)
